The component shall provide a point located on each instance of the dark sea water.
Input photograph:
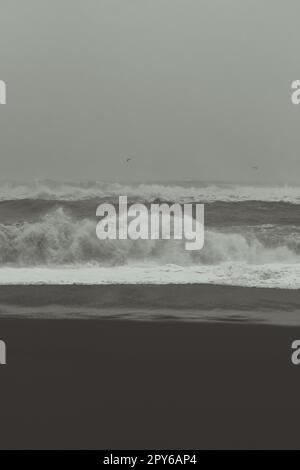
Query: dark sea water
(47, 234)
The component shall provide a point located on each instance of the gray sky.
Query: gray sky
(190, 89)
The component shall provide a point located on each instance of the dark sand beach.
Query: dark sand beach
(113, 383)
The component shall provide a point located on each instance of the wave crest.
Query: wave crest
(197, 192)
(59, 239)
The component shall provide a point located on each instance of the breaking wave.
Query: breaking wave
(189, 192)
(59, 239)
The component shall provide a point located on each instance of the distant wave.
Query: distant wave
(197, 192)
(59, 239)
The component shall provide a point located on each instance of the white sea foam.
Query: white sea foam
(234, 274)
(59, 239)
(195, 192)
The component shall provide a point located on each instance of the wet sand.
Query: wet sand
(141, 296)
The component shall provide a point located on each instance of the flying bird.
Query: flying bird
(128, 159)
(254, 167)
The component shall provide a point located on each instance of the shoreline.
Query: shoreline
(177, 296)
(186, 302)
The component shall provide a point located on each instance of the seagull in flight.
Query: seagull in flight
(128, 159)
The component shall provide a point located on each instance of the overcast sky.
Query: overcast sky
(190, 89)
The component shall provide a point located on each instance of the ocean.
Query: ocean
(47, 236)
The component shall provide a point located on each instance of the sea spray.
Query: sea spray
(58, 239)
